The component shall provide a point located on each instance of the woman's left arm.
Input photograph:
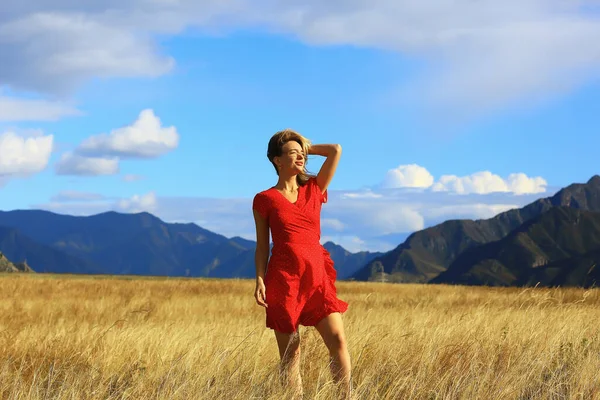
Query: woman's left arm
(333, 152)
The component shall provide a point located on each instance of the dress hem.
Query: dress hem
(314, 322)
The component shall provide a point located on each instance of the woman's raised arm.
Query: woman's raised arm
(333, 152)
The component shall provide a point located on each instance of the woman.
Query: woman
(298, 287)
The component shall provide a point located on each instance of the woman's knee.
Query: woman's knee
(337, 341)
(290, 358)
(293, 349)
(288, 343)
(294, 353)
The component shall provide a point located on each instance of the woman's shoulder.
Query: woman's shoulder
(262, 202)
(264, 196)
(264, 193)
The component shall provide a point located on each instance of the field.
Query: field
(77, 337)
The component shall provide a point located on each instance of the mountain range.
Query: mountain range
(560, 245)
(135, 244)
(553, 241)
(468, 251)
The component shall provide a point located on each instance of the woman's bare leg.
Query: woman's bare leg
(331, 329)
(289, 351)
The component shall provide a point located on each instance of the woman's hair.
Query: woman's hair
(275, 149)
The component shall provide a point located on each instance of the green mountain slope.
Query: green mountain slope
(429, 252)
(556, 248)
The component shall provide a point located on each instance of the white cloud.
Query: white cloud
(361, 195)
(53, 47)
(139, 203)
(24, 156)
(145, 138)
(14, 109)
(370, 217)
(387, 220)
(515, 60)
(479, 182)
(101, 154)
(485, 182)
(411, 175)
(476, 55)
(522, 184)
(74, 164)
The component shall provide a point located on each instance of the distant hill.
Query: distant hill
(20, 248)
(429, 252)
(558, 248)
(244, 243)
(137, 244)
(347, 263)
(117, 243)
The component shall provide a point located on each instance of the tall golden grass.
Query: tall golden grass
(78, 337)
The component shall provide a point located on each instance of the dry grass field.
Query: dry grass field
(76, 337)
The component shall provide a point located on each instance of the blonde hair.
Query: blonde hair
(275, 149)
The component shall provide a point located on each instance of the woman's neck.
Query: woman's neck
(289, 184)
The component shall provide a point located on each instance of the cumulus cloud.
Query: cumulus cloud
(481, 55)
(101, 154)
(522, 184)
(139, 203)
(24, 155)
(483, 182)
(14, 109)
(486, 182)
(74, 164)
(145, 138)
(411, 175)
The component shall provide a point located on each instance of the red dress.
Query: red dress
(300, 278)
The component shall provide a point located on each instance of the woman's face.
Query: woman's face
(292, 159)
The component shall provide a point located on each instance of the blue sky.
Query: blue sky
(444, 110)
